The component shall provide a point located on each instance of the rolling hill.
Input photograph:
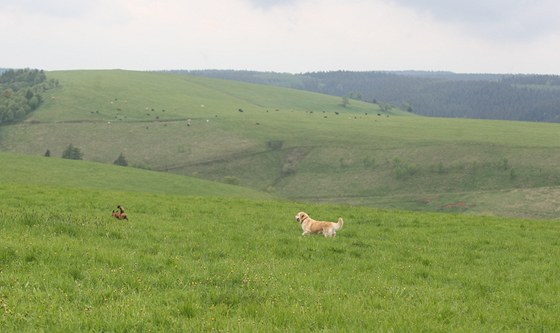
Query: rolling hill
(296, 145)
(201, 256)
(23, 170)
(196, 256)
(520, 97)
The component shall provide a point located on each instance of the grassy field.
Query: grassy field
(22, 170)
(297, 145)
(192, 261)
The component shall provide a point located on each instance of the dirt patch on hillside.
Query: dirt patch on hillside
(542, 202)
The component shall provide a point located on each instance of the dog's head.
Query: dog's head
(301, 216)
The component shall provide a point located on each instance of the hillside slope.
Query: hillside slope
(50, 172)
(440, 94)
(298, 145)
(200, 264)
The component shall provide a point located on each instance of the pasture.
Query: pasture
(297, 145)
(224, 263)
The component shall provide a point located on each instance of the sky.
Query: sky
(292, 36)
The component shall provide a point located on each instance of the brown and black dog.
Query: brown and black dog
(119, 214)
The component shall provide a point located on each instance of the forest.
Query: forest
(439, 94)
(21, 92)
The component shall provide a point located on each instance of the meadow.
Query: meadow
(217, 261)
(297, 145)
(200, 254)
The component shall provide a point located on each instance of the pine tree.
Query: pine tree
(72, 153)
(121, 160)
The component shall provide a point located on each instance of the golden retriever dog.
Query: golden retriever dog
(310, 226)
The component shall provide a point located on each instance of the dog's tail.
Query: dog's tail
(339, 224)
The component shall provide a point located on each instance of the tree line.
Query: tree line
(438, 94)
(21, 92)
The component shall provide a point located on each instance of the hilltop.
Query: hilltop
(296, 145)
(440, 94)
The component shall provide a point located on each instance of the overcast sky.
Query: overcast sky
(474, 36)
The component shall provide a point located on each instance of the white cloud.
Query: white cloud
(276, 35)
(521, 20)
(271, 3)
(53, 8)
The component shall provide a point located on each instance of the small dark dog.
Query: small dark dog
(119, 214)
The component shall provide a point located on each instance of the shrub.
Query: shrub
(121, 160)
(72, 153)
(232, 180)
(512, 174)
(369, 162)
(504, 164)
(289, 168)
(438, 168)
(403, 170)
(345, 163)
(275, 144)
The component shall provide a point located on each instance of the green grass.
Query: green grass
(50, 171)
(201, 256)
(390, 160)
(191, 263)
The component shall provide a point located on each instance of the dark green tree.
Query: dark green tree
(20, 93)
(72, 153)
(121, 160)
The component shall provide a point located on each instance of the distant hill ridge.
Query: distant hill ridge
(441, 94)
